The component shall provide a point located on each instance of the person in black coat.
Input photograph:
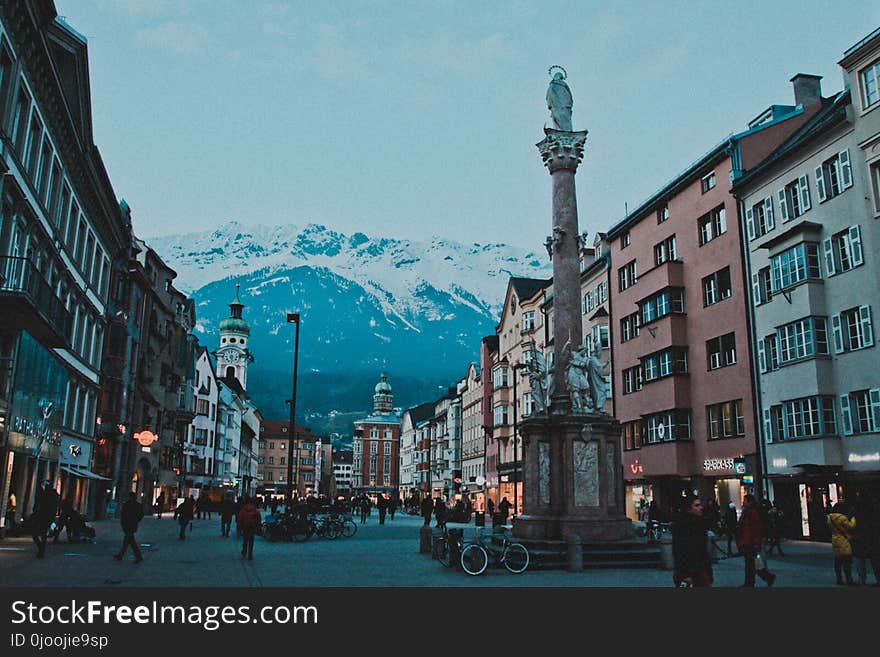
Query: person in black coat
(382, 505)
(690, 547)
(185, 515)
(427, 508)
(160, 505)
(132, 513)
(441, 513)
(227, 510)
(45, 508)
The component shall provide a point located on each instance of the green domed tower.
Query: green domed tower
(383, 400)
(233, 355)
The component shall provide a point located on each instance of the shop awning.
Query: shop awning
(82, 472)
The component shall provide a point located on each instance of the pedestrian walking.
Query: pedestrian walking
(842, 527)
(503, 511)
(227, 510)
(441, 513)
(866, 538)
(730, 521)
(132, 513)
(427, 508)
(248, 521)
(749, 540)
(198, 508)
(45, 509)
(11, 507)
(65, 520)
(693, 565)
(364, 506)
(160, 505)
(185, 515)
(382, 506)
(490, 507)
(775, 529)
(392, 507)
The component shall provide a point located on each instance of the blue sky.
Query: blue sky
(415, 119)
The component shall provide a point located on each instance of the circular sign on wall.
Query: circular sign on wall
(480, 480)
(146, 437)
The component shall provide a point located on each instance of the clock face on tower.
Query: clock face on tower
(231, 356)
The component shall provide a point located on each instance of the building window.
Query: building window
(834, 176)
(794, 199)
(374, 447)
(201, 437)
(271, 460)
(762, 286)
(843, 251)
(665, 251)
(667, 426)
(852, 329)
(875, 184)
(665, 363)
(528, 320)
(282, 460)
(629, 327)
(625, 239)
(632, 435)
(662, 213)
(587, 303)
(712, 224)
(602, 292)
(662, 304)
(598, 335)
(716, 287)
(795, 265)
(626, 275)
(860, 412)
(501, 415)
(801, 339)
(721, 351)
(707, 182)
(725, 420)
(262, 444)
(632, 379)
(870, 79)
(759, 218)
(809, 416)
(501, 376)
(271, 445)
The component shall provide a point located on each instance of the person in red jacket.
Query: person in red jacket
(749, 537)
(248, 522)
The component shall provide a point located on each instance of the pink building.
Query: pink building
(682, 368)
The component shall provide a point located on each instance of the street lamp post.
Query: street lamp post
(292, 318)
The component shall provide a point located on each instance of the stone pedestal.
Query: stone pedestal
(573, 479)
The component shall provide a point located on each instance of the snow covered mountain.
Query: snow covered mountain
(416, 309)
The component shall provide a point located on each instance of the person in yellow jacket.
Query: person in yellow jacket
(842, 527)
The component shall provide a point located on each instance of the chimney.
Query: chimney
(807, 89)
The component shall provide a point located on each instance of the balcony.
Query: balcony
(27, 302)
(667, 274)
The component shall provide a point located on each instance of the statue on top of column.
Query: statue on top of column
(559, 100)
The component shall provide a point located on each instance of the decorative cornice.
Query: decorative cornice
(561, 149)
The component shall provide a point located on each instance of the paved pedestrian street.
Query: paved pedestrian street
(379, 555)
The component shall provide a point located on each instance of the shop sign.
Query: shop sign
(718, 464)
(146, 438)
(636, 468)
(739, 466)
(864, 458)
(75, 451)
(781, 463)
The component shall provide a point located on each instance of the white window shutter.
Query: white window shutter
(756, 289)
(837, 330)
(855, 245)
(768, 426)
(768, 213)
(828, 246)
(820, 184)
(867, 329)
(762, 360)
(804, 188)
(846, 176)
(783, 206)
(750, 223)
(874, 396)
(846, 415)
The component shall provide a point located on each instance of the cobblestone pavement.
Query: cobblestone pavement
(379, 555)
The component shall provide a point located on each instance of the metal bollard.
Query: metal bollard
(425, 539)
(574, 553)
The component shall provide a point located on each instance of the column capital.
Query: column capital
(561, 149)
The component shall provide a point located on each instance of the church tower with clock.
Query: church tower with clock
(233, 355)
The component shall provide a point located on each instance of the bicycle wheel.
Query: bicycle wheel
(349, 529)
(441, 551)
(474, 559)
(516, 558)
(334, 531)
(301, 534)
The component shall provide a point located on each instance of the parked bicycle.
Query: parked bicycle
(475, 556)
(446, 546)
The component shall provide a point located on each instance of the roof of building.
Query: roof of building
(421, 412)
(856, 48)
(526, 288)
(389, 418)
(383, 387)
(833, 113)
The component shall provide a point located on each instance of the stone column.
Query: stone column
(562, 151)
